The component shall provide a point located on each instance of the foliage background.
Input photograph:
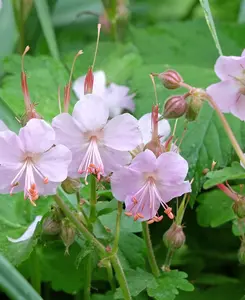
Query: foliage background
(161, 35)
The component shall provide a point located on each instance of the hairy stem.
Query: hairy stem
(168, 260)
(111, 277)
(88, 277)
(121, 277)
(149, 249)
(35, 272)
(118, 221)
(80, 227)
(93, 198)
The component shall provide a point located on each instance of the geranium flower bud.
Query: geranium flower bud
(174, 237)
(71, 185)
(195, 104)
(175, 107)
(239, 207)
(51, 226)
(68, 234)
(170, 79)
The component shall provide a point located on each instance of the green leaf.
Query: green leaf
(14, 284)
(7, 115)
(47, 27)
(137, 280)
(228, 173)
(108, 296)
(215, 209)
(238, 227)
(167, 285)
(215, 279)
(210, 23)
(44, 76)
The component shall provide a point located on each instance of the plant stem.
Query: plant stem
(93, 198)
(168, 260)
(227, 129)
(21, 27)
(88, 277)
(80, 227)
(35, 272)
(121, 277)
(111, 277)
(118, 221)
(149, 249)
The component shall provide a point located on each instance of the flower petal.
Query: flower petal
(238, 109)
(227, 67)
(98, 88)
(125, 182)
(3, 127)
(91, 114)
(164, 128)
(54, 163)
(224, 94)
(144, 162)
(172, 168)
(122, 133)
(113, 159)
(37, 136)
(67, 131)
(169, 192)
(28, 233)
(243, 52)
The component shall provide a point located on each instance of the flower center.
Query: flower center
(148, 195)
(27, 172)
(92, 162)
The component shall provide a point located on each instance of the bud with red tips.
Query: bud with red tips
(174, 237)
(89, 82)
(170, 79)
(196, 102)
(175, 107)
(68, 234)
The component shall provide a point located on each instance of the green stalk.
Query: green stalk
(93, 198)
(149, 249)
(121, 277)
(168, 260)
(118, 221)
(88, 277)
(80, 227)
(111, 277)
(35, 272)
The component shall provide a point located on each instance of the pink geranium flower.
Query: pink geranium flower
(150, 182)
(98, 146)
(229, 94)
(115, 96)
(30, 161)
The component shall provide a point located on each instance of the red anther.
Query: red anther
(108, 248)
(140, 215)
(160, 218)
(136, 217)
(45, 180)
(128, 213)
(150, 221)
(89, 82)
(169, 213)
(33, 186)
(134, 200)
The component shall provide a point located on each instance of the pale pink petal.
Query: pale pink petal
(224, 94)
(125, 182)
(113, 159)
(91, 114)
(168, 192)
(143, 207)
(164, 128)
(54, 163)
(45, 189)
(122, 133)
(3, 126)
(144, 162)
(172, 168)
(227, 67)
(238, 109)
(77, 157)
(37, 136)
(98, 88)
(67, 131)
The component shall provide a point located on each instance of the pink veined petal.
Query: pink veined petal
(122, 133)
(54, 163)
(7, 175)
(169, 192)
(77, 157)
(37, 136)
(224, 93)
(164, 128)
(45, 189)
(144, 162)
(11, 150)
(99, 87)
(143, 207)
(3, 127)
(67, 131)
(113, 159)
(238, 108)
(126, 181)
(91, 114)
(227, 67)
(172, 169)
